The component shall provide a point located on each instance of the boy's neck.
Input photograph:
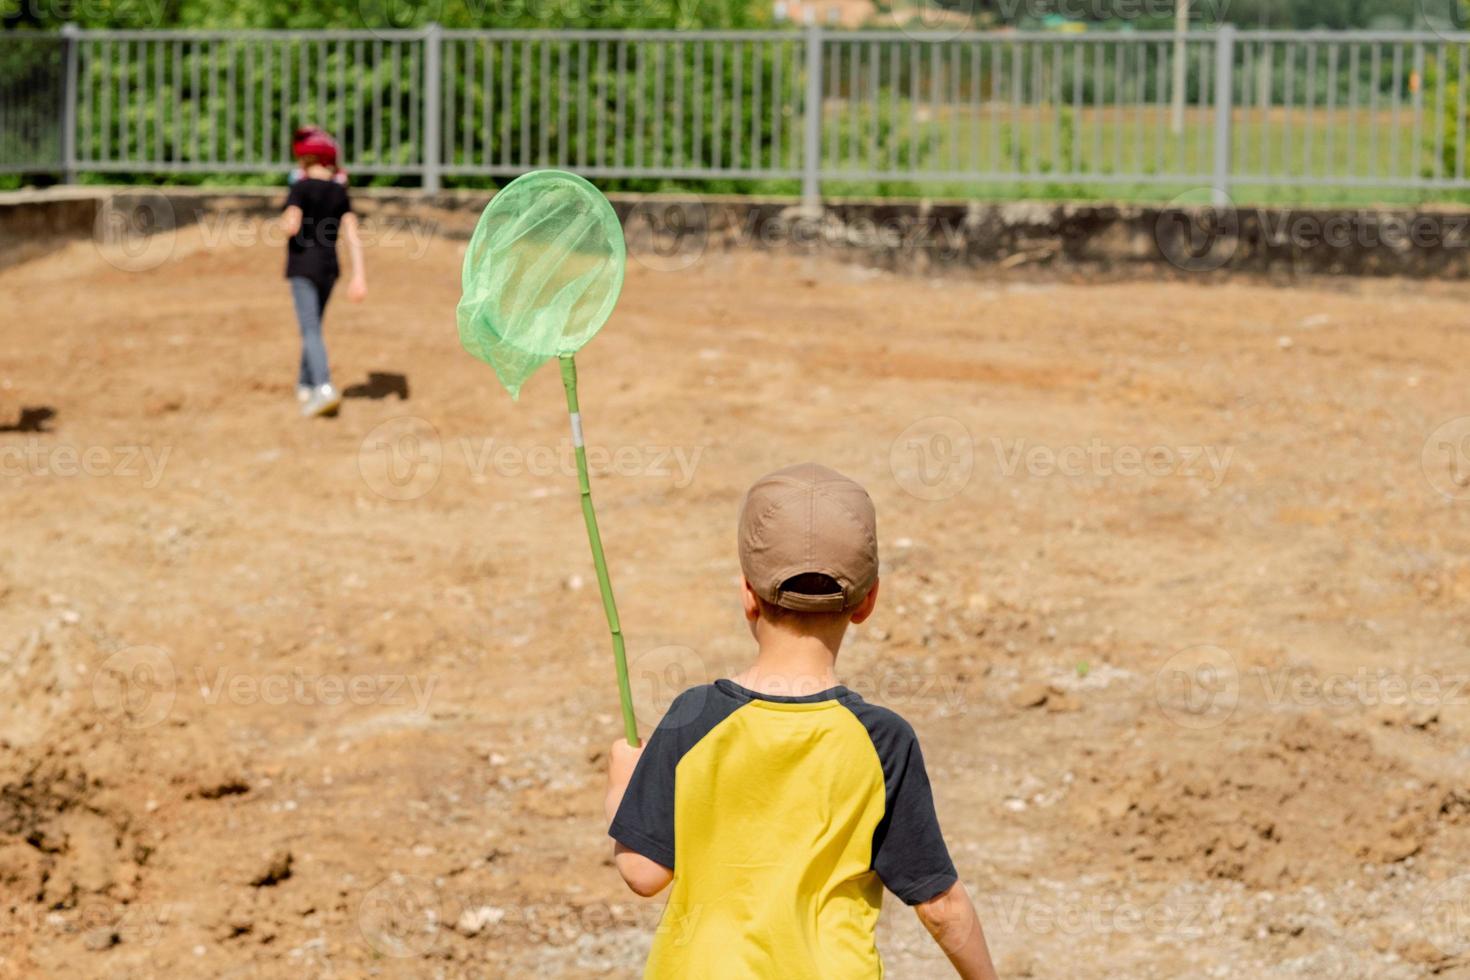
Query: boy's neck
(791, 664)
(318, 172)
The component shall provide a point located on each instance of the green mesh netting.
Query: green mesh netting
(542, 274)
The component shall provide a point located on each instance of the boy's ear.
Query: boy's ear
(748, 600)
(866, 607)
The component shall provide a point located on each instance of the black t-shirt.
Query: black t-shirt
(312, 251)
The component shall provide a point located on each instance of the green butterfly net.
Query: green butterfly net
(542, 274)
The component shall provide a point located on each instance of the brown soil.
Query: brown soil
(330, 698)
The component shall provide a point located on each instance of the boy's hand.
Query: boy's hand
(622, 758)
(357, 289)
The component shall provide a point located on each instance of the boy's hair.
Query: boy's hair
(807, 583)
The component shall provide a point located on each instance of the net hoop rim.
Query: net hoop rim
(597, 202)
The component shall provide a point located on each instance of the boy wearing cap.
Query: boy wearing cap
(779, 803)
(317, 209)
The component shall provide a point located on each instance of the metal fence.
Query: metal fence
(1216, 109)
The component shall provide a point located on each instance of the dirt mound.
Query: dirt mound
(1285, 801)
(69, 847)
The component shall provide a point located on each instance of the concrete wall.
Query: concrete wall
(916, 236)
(1095, 239)
(33, 224)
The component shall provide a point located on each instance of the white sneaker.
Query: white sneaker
(324, 400)
(303, 394)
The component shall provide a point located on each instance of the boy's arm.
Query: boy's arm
(357, 286)
(911, 856)
(950, 918)
(645, 876)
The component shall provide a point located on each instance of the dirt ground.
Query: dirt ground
(1175, 592)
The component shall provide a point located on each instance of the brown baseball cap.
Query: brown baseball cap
(809, 519)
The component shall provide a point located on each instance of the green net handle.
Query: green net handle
(594, 537)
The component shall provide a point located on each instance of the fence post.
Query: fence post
(69, 56)
(1181, 66)
(811, 163)
(433, 78)
(1224, 105)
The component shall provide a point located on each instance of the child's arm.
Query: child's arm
(291, 220)
(911, 856)
(950, 918)
(645, 876)
(357, 286)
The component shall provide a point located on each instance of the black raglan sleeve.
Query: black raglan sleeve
(909, 853)
(645, 819)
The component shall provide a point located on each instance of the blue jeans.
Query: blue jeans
(311, 303)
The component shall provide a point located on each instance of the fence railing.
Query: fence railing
(1216, 109)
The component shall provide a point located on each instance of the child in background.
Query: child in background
(779, 803)
(317, 210)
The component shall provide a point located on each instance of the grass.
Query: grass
(1057, 152)
(1051, 154)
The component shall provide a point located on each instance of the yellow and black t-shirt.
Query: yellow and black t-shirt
(782, 818)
